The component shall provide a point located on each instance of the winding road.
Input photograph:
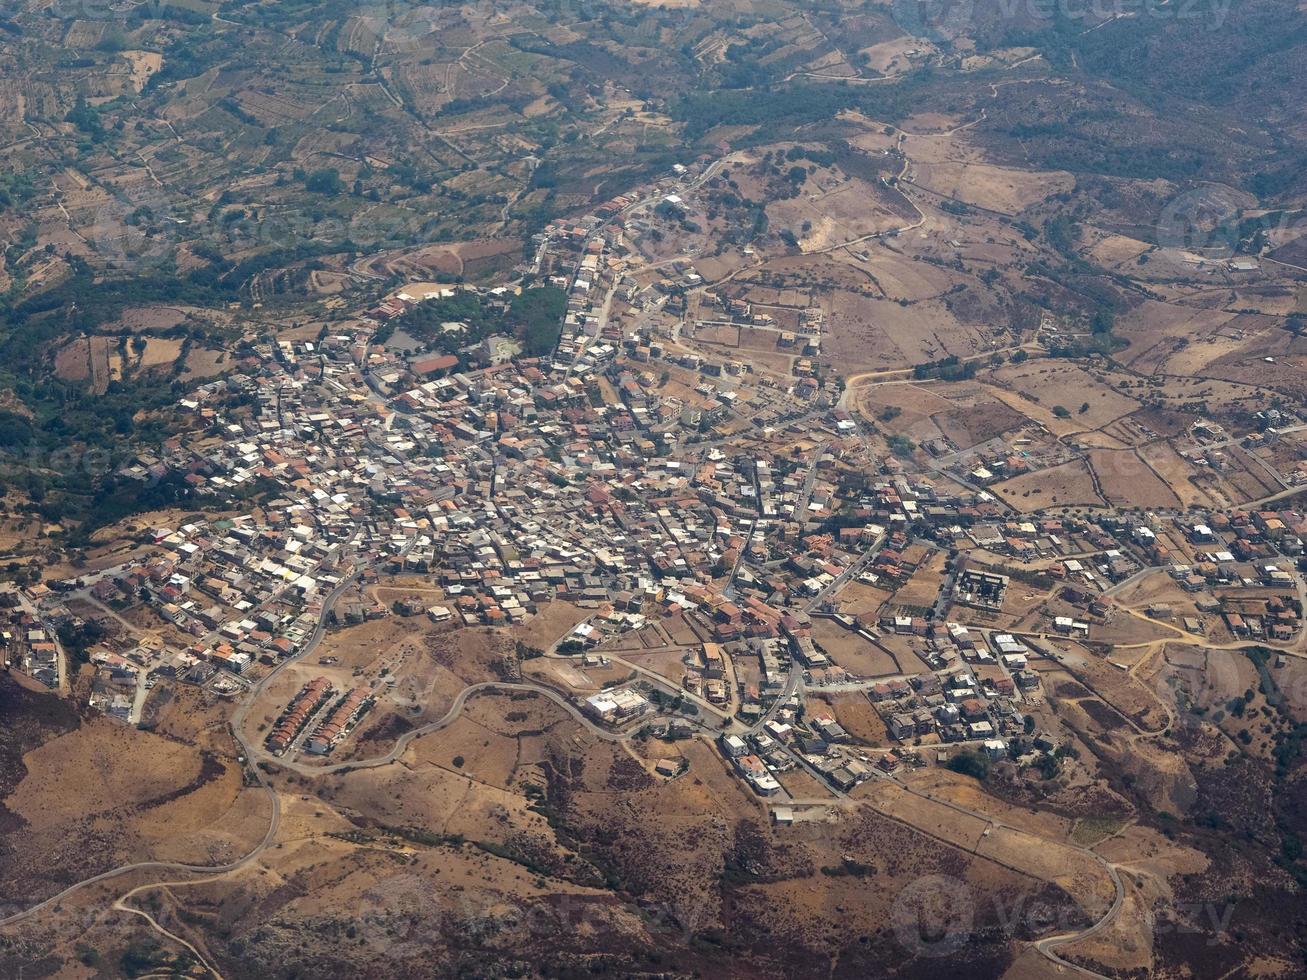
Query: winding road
(253, 752)
(205, 873)
(121, 906)
(274, 821)
(1047, 945)
(449, 717)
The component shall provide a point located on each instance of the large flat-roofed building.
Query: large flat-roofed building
(616, 705)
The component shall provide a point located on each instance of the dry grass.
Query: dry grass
(1068, 485)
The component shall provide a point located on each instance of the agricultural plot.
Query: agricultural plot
(867, 333)
(1070, 484)
(1048, 385)
(837, 210)
(860, 657)
(1124, 479)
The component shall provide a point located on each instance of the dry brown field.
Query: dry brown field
(1068, 485)
(1128, 481)
(850, 651)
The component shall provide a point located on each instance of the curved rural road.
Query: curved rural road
(238, 717)
(1045, 946)
(449, 717)
(274, 821)
(122, 906)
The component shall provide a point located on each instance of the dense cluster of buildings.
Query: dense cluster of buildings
(303, 707)
(632, 475)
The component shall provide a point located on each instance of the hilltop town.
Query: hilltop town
(574, 493)
(669, 490)
(749, 550)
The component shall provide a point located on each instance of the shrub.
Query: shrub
(969, 763)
